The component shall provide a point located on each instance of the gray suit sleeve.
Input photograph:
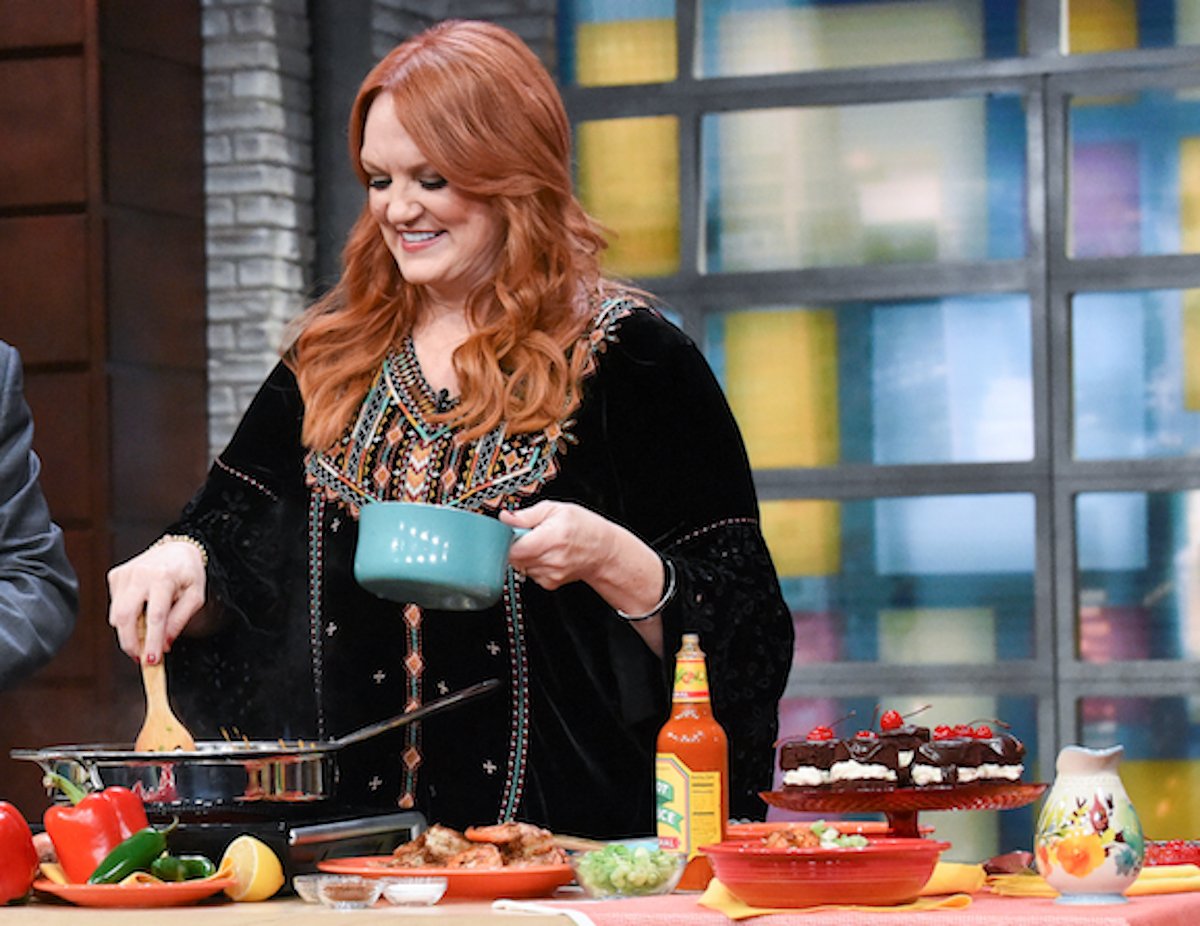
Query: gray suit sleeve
(39, 592)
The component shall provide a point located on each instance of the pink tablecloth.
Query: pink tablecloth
(985, 910)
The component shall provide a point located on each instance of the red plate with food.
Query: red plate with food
(886, 871)
(154, 894)
(475, 883)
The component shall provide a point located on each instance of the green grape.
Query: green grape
(620, 869)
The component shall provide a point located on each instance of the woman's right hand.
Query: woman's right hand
(166, 582)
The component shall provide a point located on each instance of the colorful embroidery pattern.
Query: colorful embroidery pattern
(396, 451)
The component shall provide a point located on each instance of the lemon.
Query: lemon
(256, 870)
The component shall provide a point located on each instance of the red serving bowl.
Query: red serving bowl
(758, 830)
(885, 871)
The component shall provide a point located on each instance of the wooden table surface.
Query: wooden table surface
(281, 912)
(672, 910)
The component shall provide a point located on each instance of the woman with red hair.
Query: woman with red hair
(473, 355)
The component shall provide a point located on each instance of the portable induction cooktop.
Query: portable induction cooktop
(299, 839)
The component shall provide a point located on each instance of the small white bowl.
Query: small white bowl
(305, 887)
(348, 892)
(414, 892)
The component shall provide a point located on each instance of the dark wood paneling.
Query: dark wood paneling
(61, 403)
(153, 27)
(43, 264)
(154, 147)
(159, 441)
(75, 717)
(109, 318)
(156, 290)
(44, 132)
(38, 23)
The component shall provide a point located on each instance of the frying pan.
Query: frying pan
(228, 773)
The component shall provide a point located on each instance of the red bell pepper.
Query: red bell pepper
(18, 857)
(96, 823)
(131, 812)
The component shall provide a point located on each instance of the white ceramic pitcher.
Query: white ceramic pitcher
(1089, 842)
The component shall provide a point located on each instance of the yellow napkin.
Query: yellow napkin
(54, 872)
(954, 878)
(1153, 879)
(717, 897)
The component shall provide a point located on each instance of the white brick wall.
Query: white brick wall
(259, 174)
(259, 187)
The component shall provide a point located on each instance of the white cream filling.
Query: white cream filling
(850, 770)
(807, 777)
(926, 775)
(988, 771)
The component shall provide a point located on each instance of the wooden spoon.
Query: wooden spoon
(161, 730)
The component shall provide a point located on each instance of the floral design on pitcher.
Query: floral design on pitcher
(1080, 834)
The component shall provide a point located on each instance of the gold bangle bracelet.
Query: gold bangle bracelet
(184, 538)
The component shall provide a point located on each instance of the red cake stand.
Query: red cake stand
(901, 805)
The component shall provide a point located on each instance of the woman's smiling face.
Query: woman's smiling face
(440, 237)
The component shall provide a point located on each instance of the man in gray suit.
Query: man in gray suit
(39, 593)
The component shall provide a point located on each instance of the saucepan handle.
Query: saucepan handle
(429, 707)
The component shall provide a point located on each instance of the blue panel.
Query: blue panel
(1006, 178)
(945, 534)
(1156, 23)
(1111, 531)
(1001, 32)
(604, 11)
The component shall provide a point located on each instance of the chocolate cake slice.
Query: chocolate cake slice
(979, 756)
(806, 763)
(865, 759)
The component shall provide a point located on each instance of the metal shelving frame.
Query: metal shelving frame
(1045, 79)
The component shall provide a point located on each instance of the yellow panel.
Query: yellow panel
(629, 180)
(1189, 195)
(804, 536)
(915, 636)
(1163, 793)
(781, 380)
(1191, 350)
(626, 51)
(1101, 25)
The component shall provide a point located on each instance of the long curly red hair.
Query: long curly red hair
(487, 116)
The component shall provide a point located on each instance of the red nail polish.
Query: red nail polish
(151, 659)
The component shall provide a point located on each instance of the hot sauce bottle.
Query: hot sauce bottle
(691, 769)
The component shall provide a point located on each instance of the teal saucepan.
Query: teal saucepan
(432, 555)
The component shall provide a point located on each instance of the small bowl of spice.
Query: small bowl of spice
(305, 887)
(414, 892)
(349, 892)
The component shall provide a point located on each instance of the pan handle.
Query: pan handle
(70, 767)
(417, 713)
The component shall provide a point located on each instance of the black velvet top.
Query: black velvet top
(568, 740)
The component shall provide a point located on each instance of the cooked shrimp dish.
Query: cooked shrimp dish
(499, 845)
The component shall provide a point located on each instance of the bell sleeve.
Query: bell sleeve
(243, 514)
(687, 490)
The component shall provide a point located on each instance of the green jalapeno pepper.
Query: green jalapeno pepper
(182, 867)
(136, 853)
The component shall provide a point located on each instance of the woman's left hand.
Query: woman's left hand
(569, 543)
(566, 543)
